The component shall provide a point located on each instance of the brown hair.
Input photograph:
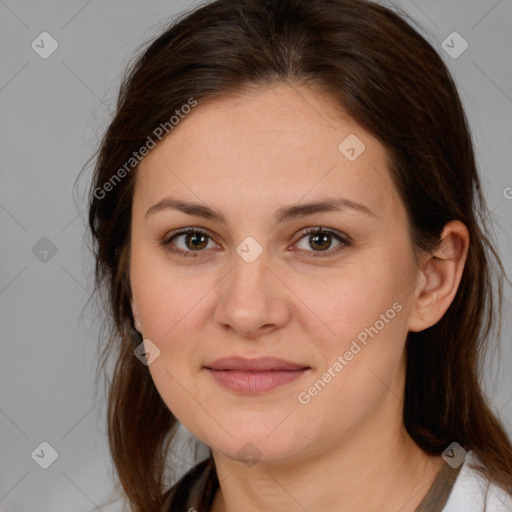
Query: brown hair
(394, 84)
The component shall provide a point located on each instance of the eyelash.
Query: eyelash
(166, 243)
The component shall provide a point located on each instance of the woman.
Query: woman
(290, 233)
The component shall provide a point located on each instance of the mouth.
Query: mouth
(254, 376)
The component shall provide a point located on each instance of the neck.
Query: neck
(375, 468)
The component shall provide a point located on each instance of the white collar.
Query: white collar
(473, 492)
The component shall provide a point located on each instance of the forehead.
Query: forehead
(267, 147)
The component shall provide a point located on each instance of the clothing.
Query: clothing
(191, 491)
(475, 493)
(440, 490)
(463, 489)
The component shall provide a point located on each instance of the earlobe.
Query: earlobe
(439, 277)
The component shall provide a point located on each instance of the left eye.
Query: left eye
(195, 240)
(321, 240)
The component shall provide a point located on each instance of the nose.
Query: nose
(252, 300)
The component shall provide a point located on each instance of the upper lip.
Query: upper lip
(260, 364)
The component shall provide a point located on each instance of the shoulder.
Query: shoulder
(473, 492)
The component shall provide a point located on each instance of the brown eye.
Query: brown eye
(196, 240)
(187, 242)
(321, 240)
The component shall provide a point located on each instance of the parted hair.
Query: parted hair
(391, 81)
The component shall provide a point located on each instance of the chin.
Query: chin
(259, 444)
(253, 451)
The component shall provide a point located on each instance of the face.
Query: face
(325, 291)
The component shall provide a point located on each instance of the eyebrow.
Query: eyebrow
(331, 204)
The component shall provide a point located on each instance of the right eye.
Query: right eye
(192, 241)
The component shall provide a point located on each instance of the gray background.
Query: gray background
(53, 112)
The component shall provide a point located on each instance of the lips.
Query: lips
(253, 376)
(260, 364)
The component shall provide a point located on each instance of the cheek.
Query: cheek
(166, 297)
(347, 302)
(367, 309)
(360, 364)
(172, 307)
(362, 315)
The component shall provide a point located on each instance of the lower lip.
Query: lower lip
(254, 382)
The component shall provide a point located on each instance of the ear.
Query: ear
(136, 320)
(439, 277)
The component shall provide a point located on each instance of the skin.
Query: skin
(247, 156)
